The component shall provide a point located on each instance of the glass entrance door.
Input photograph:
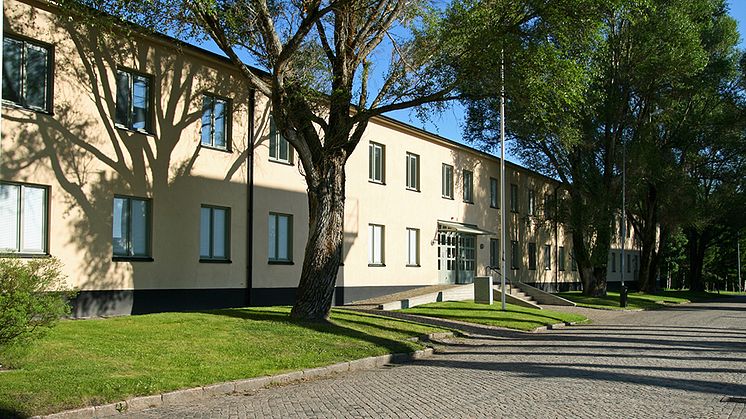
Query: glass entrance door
(456, 258)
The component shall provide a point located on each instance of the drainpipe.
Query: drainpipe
(250, 201)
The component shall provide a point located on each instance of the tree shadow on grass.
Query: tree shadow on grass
(330, 327)
(7, 413)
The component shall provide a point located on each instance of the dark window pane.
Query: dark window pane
(36, 76)
(12, 51)
(123, 98)
(272, 138)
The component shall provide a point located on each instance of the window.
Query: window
(376, 162)
(514, 255)
(27, 73)
(133, 100)
(131, 227)
(468, 186)
(548, 206)
(280, 238)
(636, 259)
(279, 147)
(375, 244)
(23, 218)
(573, 262)
(413, 247)
(214, 228)
(495, 253)
(413, 172)
(531, 202)
(447, 181)
(494, 198)
(547, 257)
(613, 262)
(532, 256)
(513, 197)
(215, 122)
(629, 263)
(561, 258)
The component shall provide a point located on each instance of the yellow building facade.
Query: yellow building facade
(153, 172)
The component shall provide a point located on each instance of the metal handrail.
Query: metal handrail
(498, 274)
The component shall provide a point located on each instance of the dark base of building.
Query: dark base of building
(124, 302)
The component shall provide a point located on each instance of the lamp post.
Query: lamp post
(623, 289)
(503, 227)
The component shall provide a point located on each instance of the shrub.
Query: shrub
(33, 296)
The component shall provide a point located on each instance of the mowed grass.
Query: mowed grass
(638, 301)
(514, 317)
(89, 362)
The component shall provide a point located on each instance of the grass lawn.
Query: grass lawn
(636, 300)
(514, 317)
(88, 362)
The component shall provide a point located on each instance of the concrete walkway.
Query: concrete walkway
(679, 362)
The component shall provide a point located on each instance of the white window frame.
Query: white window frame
(447, 181)
(226, 122)
(376, 245)
(22, 215)
(413, 172)
(494, 193)
(513, 197)
(376, 169)
(211, 233)
(495, 253)
(532, 254)
(275, 216)
(531, 202)
(468, 184)
(276, 141)
(561, 257)
(515, 255)
(547, 257)
(413, 247)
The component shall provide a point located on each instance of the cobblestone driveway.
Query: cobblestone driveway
(673, 363)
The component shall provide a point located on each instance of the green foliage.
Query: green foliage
(33, 296)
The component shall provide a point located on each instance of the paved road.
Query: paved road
(672, 363)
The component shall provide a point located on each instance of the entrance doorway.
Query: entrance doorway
(457, 254)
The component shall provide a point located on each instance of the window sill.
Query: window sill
(377, 182)
(280, 161)
(494, 207)
(132, 259)
(469, 202)
(13, 105)
(215, 261)
(209, 147)
(133, 130)
(447, 197)
(413, 190)
(280, 262)
(376, 265)
(25, 255)
(414, 266)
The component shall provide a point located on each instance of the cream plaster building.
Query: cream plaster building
(151, 170)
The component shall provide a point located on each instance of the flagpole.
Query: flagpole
(503, 227)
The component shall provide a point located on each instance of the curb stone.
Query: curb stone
(136, 404)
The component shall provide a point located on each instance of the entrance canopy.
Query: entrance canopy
(450, 226)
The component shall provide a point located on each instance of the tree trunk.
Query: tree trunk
(697, 247)
(323, 254)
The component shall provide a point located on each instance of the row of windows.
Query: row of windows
(630, 260)
(377, 174)
(376, 247)
(515, 256)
